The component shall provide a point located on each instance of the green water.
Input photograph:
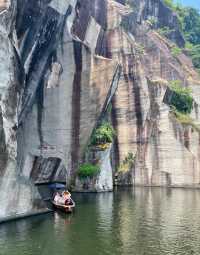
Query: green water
(137, 221)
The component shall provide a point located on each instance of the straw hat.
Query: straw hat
(66, 193)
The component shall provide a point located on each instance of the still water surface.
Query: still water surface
(138, 221)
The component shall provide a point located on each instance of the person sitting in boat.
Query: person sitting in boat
(57, 198)
(67, 197)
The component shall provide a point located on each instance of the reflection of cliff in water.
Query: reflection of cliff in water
(158, 221)
(130, 221)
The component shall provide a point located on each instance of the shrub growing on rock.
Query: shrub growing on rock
(176, 51)
(103, 134)
(165, 31)
(181, 98)
(127, 163)
(194, 53)
(185, 119)
(189, 20)
(88, 170)
(169, 3)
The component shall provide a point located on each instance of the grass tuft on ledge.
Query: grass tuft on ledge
(181, 99)
(88, 170)
(127, 163)
(103, 135)
(185, 119)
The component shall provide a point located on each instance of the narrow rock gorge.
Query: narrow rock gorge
(66, 65)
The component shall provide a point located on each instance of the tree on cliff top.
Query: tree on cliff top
(189, 20)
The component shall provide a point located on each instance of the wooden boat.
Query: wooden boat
(65, 208)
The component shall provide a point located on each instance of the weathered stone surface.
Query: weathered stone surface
(104, 181)
(164, 152)
(145, 10)
(69, 82)
(17, 195)
(62, 63)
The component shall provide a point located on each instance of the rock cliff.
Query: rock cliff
(63, 64)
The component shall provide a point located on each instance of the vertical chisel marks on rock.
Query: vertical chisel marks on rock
(68, 52)
(76, 97)
(3, 149)
(47, 41)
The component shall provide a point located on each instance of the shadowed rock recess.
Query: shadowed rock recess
(63, 64)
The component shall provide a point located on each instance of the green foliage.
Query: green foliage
(103, 134)
(152, 21)
(165, 31)
(185, 119)
(140, 49)
(194, 52)
(131, 3)
(190, 23)
(109, 109)
(129, 159)
(189, 20)
(181, 98)
(169, 3)
(127, 163)
(176, 51)
(88, 170)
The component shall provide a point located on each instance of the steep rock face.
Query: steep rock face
(167, 137)
(16, 194)
(104, 180)
(63, 53)
(51, 61)
(7, 112)
(156, 12)
(62, 63)
(166, 153)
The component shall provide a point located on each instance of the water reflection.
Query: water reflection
(140, 221)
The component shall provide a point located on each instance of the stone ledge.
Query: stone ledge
(92, 191)
(24, 215)
(173, 186)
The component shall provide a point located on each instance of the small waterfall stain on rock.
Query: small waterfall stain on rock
(187, 138)
(76, 97)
